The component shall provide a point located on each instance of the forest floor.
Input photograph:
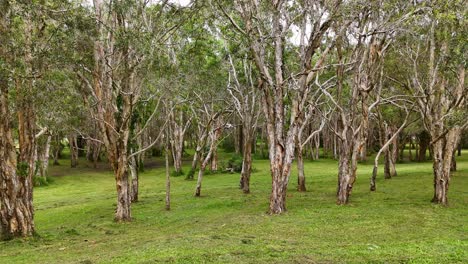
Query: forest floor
(395, 224)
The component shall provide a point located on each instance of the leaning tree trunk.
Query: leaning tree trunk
(443, 150)
(391, 152)
(201, 171)
(214, 137)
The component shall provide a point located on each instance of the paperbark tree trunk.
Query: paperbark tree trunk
(214, 160)
(168, 178)
(246, 161)
(178, 129)
(133, 166)
(73, 151)
(16, 201)
(301, 185)
(44, 158)
(443, 151)
(214, 137)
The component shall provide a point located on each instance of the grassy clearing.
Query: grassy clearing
(396, 224)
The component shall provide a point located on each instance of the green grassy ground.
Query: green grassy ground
(396, 224)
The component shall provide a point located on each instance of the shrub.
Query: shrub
(175, 173)
(235, 162)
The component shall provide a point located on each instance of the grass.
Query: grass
(396, 224)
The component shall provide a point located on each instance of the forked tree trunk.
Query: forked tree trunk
(347, 166)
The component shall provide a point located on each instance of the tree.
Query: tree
(265, 26)
(435, 75)
(244, 94)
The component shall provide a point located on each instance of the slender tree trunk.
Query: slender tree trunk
(246, 163)
(133, 166)
(96, 153)
(73, 151)
(214, 160)
(194, 164)
(214, 137)
(168, 179)
(44, 162)
(459, 149)
(301, 186)
(201, 171)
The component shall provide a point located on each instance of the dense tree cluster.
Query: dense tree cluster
(124, 80)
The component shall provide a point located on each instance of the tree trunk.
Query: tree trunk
(424, 140)
(44, 161)
(123, 212)
(443, 150)
(453, 166)
(317, 146)
(133, 166)
(168, 179)
(201, 171)
(214, 160)
(301, 186)
(194, 164)
(347, 166)
(214, 137)
(246, 162)
(73, 151)
(16, 201)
